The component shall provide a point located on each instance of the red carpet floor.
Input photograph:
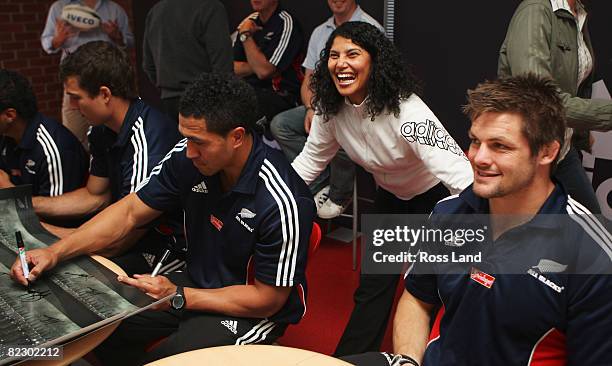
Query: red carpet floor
(331, 283)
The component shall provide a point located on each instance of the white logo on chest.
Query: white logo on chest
(245, 213)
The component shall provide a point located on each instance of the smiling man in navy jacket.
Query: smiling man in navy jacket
(541, 296)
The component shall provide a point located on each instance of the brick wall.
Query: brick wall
(21, 24)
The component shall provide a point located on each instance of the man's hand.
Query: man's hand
(5, 180)
(157, 287)
(308, 119)
(42, 260)
(63, 31)
(112, 29)
(248, 25)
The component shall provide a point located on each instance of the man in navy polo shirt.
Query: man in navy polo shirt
(268, 53)
(34, 149)
(543, 294)
(127, 139)
(244, 206)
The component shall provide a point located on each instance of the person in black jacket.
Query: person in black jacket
(183, 39)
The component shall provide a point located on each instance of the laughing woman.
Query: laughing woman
(366, 104)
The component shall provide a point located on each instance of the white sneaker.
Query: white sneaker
(329, 210)
(321, 197)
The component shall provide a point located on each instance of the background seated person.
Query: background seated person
(290, 128)
(267, 54)
(34, 149)
(243, 204)
(128, 138)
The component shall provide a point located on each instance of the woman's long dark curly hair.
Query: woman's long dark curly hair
(390, 80)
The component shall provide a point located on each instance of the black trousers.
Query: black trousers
(374, 297)
(572, 176)
(271, 104)
(185, 331)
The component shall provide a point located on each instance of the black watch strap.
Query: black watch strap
(244, 35)
(399, 360)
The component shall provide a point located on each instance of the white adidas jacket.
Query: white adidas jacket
(407, 155)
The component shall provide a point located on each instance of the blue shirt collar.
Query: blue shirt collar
(554, 205)
(132, 115)
(29, 135)
(357, 14)
(247, 182)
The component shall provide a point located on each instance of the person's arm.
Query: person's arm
(101, 233)
(528, 49)
(5, 180)
(248, 301)
(321, 147)
(56, 31)
(256, 59)
(215, 32)
(242, 69)
(118, 247)
(254, 301)
(411, 327)
(123, 35)
(306, 94)
(60, 232)
(456, 172)
(78, 203)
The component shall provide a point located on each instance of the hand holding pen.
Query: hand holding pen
(36, 262)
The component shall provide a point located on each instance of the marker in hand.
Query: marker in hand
(160, 263)
(22, 255)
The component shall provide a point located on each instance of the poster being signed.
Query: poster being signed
(74, 298)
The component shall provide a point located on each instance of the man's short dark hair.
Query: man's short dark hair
(16, 92)
(98, 64)
(535, 98)
(223, 100)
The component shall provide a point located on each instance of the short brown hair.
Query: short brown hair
(535, 98)
(98, 64)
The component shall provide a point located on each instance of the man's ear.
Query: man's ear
(9, 114)
(548, 153)
(238, 136)
(105, 93)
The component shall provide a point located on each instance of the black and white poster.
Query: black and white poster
(73, 298)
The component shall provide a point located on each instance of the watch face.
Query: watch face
(178, 301)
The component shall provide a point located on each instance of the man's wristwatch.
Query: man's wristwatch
(178, 301)
(244, 35)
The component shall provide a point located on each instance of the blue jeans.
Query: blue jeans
(288, 130)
